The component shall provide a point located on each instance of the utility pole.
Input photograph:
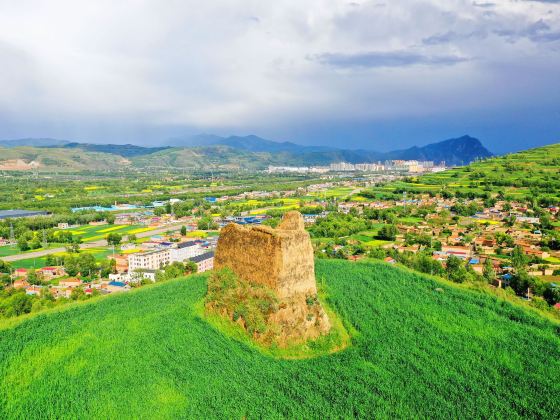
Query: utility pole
(12, 235)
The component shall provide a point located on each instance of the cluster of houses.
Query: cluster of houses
(130, 268)
(474, 239)
(161, 251)
(406, 166)
(479, 245)
(64, 286)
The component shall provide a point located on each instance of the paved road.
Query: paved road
(87, 245)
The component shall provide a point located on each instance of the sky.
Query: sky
(380, 75)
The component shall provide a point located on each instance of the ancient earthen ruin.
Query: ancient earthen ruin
(281, 259)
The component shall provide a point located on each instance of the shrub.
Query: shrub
(241, 301)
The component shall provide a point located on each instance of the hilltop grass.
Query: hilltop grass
(420, 348)
(337, 339)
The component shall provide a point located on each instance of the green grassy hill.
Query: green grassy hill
(418, 351)
(59, 159)
(533, 172)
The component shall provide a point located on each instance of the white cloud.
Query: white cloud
(235, 63)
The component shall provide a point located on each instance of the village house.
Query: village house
(49, 273)
(539, 253)
(34, 290)
(115, 287)
(21, 284)
(390, 260)
(122, 277)
(20, 273)
(4, 242)
(121, 261)
(462, 252)
(70, 283)
(60, 291)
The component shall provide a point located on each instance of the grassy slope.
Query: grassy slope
(536, 166)
(204, 158)
(58, 159)
(417, 352)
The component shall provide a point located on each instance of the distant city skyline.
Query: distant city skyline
(362, 74)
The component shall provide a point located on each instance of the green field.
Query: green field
(99, 253)
(420, 348)
(96, 233)
(14, 250)
(337, 192)
(9, 250)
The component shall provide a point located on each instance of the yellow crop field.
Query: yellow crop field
(131, 251)
(487, 221)
(139, 230)
(197, 234)
(113, 228)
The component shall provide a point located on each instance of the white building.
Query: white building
(204, 262)
(341, 166)
(151, 260)
(184, 251)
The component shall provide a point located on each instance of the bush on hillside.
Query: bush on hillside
(248, 304)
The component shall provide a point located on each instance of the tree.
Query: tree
(518, 258)
(32, 277)
(77, 294)
(546, 221)
(22, 244)
(17, 304)
(183, 230)
(107, 267)
(114, 238)
(488, 271)
(207, 223)
(74, 247)
(132, 238)
(191, 267)
(456, 270)
(71, 265)
(174, 270)
(50, 260)
(87, 265)
(388, 232)
(110, 219)
(552, 294)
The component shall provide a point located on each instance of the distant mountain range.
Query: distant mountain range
(458, 151)
(33, 142)
(249, 152)
(251, 143)
(124, 150)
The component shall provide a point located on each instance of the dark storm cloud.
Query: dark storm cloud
(373, 59)
(139, 69)
(538, 31)
(484, 5)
